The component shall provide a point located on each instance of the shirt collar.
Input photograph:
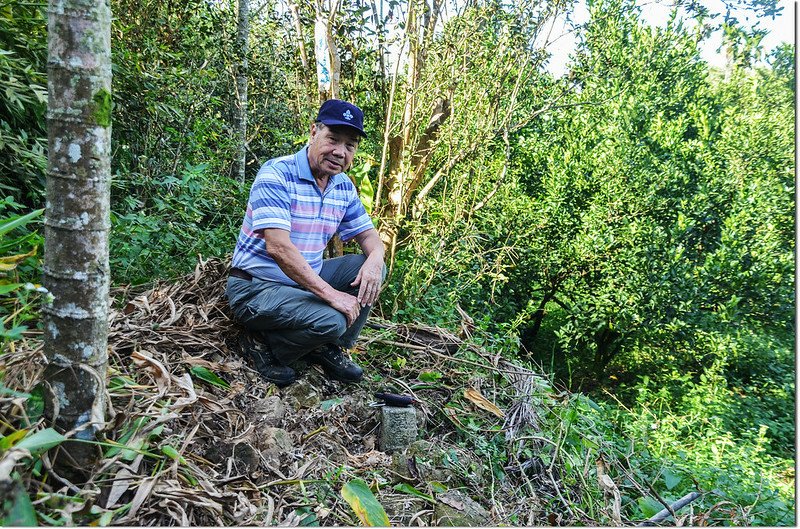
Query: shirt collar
(303, 169)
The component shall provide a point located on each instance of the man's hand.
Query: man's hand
(368, 281)
(369, 278)
(291, 261)
(346, 304)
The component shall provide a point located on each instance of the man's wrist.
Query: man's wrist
(376, 255)
(326, 293)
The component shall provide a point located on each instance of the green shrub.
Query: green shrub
(171, 221)
(20, 269)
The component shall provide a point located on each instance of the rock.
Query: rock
(276, 439)
(246, 458)
(398, 428)
(448, 464)
(276, 445)
(270, 410)
(425, 449)
(301, 394)
(455, 509)
(402, 508)
(427, 461)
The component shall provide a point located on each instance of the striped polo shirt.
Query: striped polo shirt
(285, 195)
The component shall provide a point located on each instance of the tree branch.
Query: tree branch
(670, 510)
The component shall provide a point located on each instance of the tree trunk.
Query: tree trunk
(538, 316)
(604, 340)
(77, 224)
(432, 109)
(328, 74)
(298, 27)
(409, 151)
(326, 53)
(240, 110)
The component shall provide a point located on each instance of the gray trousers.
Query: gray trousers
(294, 320)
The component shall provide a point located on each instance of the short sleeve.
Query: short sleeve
(355, 220)
(270, 199)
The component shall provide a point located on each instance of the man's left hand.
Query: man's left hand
(368, 281)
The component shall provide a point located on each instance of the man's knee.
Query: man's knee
(330, 327)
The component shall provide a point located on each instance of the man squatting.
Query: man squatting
(293, 303)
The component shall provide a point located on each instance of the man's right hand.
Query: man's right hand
(291, 261)
(345, 303)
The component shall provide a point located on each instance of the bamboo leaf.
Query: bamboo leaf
(11, 287)
(408, 489)
(172, 453)
(41, 441)
(9, 440)
(475, 397)
(9, 225)
(10, 262)
(206, 375)
(364, 504)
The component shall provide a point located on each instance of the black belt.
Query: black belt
(241, 274)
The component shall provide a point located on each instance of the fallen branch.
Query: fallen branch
(665, 513)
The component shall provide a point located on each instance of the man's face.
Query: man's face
(331, 149)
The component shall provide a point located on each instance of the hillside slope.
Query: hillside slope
(197, 438)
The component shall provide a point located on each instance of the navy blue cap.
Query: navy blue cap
(337, 112)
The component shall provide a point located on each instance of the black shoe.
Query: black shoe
(256, 348)
(335, 363)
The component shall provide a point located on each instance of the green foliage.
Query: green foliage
(363, 502)
(172, 193)
(170, 220)
(20, 265)
(23, 101)
(645, 227)
(688, 433)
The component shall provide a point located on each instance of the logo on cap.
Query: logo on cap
(347, 115)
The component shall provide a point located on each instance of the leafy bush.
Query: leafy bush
(161, 231)
(20, 267)
(23, 102)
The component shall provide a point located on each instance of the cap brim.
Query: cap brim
(342, 123)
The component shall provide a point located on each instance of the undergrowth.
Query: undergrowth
(530, 452)
(161, 228)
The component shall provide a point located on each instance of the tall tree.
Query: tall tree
(240, 110)
(76, 269)
(328, 75)
(464, 89)
(326, 52)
